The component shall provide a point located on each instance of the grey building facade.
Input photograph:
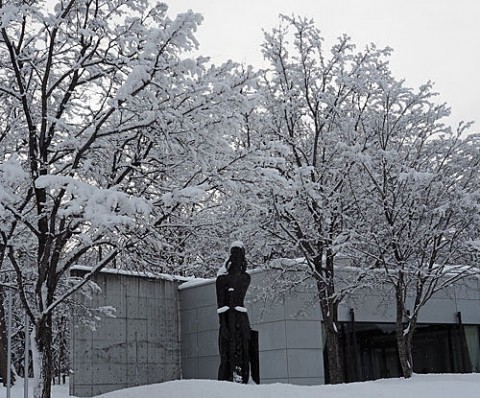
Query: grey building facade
(166, 330)
(139, 345)
(291, 341)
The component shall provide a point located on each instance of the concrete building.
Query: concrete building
(291, 340)
(166, 330)
(139, 345)
(290, 343)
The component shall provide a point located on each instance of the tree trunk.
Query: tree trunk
(333, 347)
(334, 355)
(404, 336)
(3, 342)
(43, 340)
(404, 346)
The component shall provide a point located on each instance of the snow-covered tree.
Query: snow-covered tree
(358, 166)
(419, 201)
(313, 104)
(110, 136)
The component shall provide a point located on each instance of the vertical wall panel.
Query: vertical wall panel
(141, 345)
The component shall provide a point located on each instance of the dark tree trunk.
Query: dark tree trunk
(404, 336)
(43, 339)
(333, 346)
(404, 345)
(334, 355)
(3, 341)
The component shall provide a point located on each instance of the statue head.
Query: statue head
(236, 262)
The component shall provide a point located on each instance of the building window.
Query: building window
(472, 337)
(370, 350)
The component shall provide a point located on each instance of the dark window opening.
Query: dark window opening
(370, 350)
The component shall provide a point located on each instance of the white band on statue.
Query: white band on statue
(240, 309)
(223, 309)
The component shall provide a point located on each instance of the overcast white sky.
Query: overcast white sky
(436, 40)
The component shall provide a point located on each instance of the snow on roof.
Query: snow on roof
(196, 282)
(186, 281)
(144, 274)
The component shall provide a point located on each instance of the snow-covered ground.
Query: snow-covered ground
(421, 386)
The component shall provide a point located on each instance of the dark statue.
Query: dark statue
(238, 344)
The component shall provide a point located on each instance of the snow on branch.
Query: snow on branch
(184, 195)
(106, 207)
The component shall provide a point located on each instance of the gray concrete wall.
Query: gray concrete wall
(141, 345)
(163, 331)
(290, 344)
(377, 304)
(290, 333)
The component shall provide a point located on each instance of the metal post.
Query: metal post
(9, 342)
(26, 361)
